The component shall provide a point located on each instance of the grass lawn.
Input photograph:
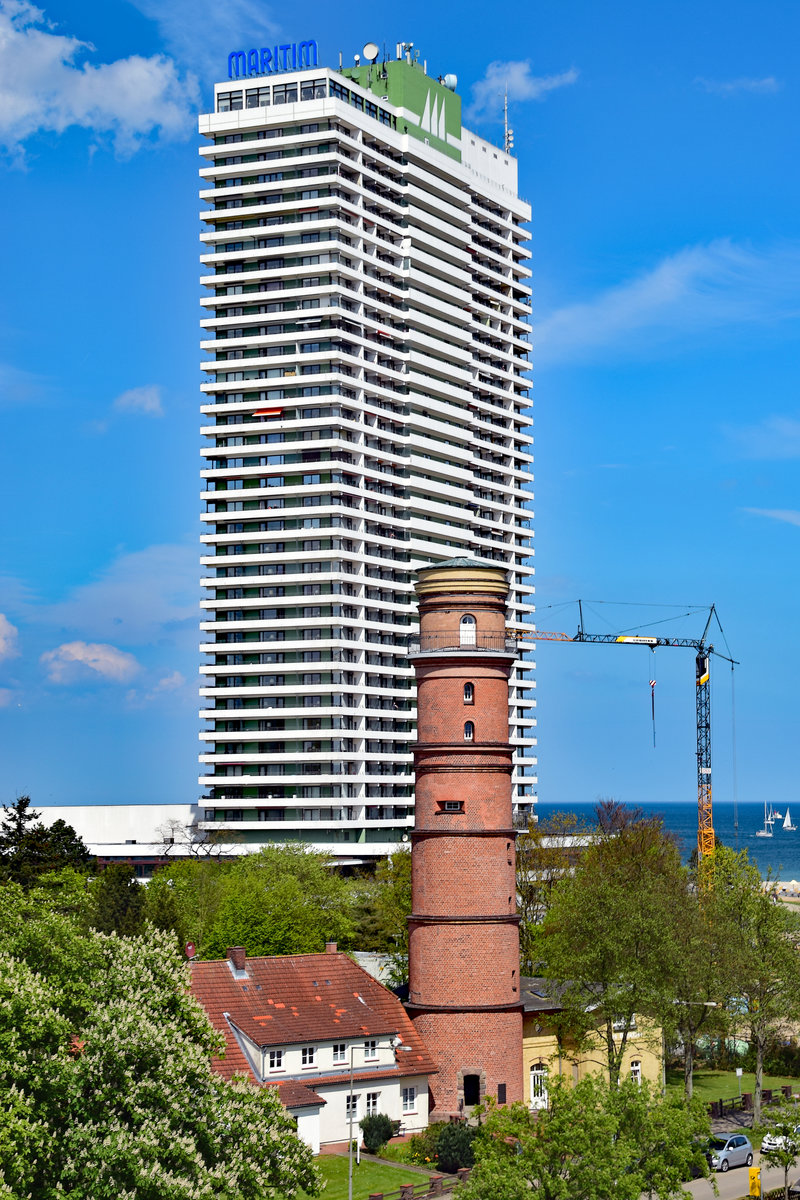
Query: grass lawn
(723, 1085)
(367, 1178)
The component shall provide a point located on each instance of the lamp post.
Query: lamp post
(350, 1135)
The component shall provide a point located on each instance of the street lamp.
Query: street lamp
(396, 1044)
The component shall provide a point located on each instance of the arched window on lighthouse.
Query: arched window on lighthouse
(468, 631)
(469, 693)
(469, 731)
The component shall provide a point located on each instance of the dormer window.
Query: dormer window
(370, 1050)
(276, 1060)
(339, 1052)
(469, 693)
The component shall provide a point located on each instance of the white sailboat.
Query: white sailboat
(787, 822)
(769, 818)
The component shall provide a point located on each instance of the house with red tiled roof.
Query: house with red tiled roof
(335, 1042)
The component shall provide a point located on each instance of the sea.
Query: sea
(735, 826)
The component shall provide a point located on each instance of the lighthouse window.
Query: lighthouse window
(469, 693)
(453, 806)
(469, 731)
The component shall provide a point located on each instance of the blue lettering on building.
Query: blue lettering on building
(272, 60)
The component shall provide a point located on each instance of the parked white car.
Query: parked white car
(775, 1141)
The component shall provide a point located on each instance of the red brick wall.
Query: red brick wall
(473, 1043)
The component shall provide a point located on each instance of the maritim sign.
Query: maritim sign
(271, 60)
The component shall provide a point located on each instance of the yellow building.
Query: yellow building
(542, 1056)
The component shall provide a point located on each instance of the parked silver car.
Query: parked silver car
(730, 1150)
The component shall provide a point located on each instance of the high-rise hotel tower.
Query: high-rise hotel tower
(365, 412)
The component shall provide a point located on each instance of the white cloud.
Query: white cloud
(8, 638)
(169, 683)
(146, 400)
(789, 515)
(138, 599)
(201, 33)
(47, 84)
(488, 93)
(6, 697)
(774, 437)
(728, 87)
(697, 289)
(75, 661)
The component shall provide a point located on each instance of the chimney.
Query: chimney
(331, 948)
(237, 956)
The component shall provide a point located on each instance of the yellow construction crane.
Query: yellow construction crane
(703, 651)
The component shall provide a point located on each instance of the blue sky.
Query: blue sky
(657, 144)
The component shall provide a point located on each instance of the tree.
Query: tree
(380, 906)
(757, 948)
(546, 853)
(782, 1148)
(377, 1129)
(118, 901)
(607, 940)
(607, 1142)
(283, 900)
(106, 1087)
(29, 849)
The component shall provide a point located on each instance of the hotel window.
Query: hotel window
(372, 1103)
(409, 1099)
(469, 731)
(370, 1050)
(339, 1052)
(276, 1060)
(257, 97)
(308, 1056)
(229, 101)
(284, 93)
(312, 89)
(469, 693)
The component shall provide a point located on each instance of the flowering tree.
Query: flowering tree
(106, 1088)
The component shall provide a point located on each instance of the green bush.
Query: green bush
(377, 1129)
(423, 1145)
(454, 1147)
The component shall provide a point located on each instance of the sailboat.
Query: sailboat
(769, 818)
(787, 822)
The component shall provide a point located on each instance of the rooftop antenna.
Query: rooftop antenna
(508, 134)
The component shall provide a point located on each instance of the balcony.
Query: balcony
(476, 643)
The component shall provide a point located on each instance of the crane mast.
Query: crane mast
(703, 651)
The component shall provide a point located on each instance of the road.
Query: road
(735, 1183)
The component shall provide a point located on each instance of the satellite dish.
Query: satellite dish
(371, 51)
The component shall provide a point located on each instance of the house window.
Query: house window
(620, 1024)
(372, 1103)
(409, 1099)
(636, 1072)
(276, 1060)
(339, 1052)
(308, 1056)
(468, 631)
(370, 1050)
(351, 1107)
(469, 693)
(539, 1085)
(469, 731)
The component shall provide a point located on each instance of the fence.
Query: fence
(435, 1185)
(719, 1108)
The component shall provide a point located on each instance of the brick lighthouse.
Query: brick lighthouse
(464, 992)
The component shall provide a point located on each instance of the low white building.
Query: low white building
(336, 1043)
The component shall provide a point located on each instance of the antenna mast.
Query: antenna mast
(508, 134)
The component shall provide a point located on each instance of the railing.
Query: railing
(436, 1185)
(719, 1108)
(497, 643)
